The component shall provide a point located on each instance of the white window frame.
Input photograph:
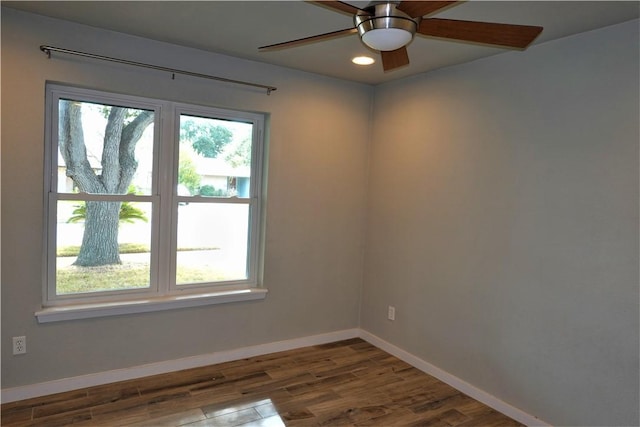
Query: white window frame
(163, 292)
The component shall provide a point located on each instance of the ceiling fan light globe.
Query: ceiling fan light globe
(386, 39)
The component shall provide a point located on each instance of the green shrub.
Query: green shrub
(128, 213)
(211, 191)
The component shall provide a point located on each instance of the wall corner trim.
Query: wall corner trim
(453, 381)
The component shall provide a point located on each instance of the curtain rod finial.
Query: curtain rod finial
(46, 50)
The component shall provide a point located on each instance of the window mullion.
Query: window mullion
(166, 178)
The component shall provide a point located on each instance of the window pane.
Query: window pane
(104, 149)
(212, 242)
(214, 158)
(103, 254)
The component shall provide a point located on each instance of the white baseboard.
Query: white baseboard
(100, 378)
(453, 381)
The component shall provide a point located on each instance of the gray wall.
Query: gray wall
(313, 266)
(503, 225)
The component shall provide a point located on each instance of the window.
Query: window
(149, 198)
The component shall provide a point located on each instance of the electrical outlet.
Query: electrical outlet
(19, 345)
(391, 313)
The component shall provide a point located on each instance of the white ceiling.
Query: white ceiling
(238, 28)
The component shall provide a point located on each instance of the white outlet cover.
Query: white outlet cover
(19, 345)
(391, 314)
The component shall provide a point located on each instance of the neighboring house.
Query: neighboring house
(223, 176)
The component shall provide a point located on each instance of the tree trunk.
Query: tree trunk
(100, 238)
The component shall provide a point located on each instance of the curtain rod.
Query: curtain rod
(48, 49)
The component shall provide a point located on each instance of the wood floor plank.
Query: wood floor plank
(45, 400)
(282, 383)
(243, 416)
(125, 417)
(183, 379)
(233, 382)
(226, 408)
(273, 421)
(175, 419)
(62, 419)
(305, 402)
(395, 417)
(315, 366)
(348, 382)
(255, 365)
(213, 396)
(321, 383)
(16, 416)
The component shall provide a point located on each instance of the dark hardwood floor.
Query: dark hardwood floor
(344, 383)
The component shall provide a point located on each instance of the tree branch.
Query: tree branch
(72, 148)
(110, 159)
(131, 134)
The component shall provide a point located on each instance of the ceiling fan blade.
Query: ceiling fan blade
(338, 5)
(298, 42)
(518, 36)
(394, 58)
(416, 9)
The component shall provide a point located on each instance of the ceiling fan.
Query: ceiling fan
(388, 26)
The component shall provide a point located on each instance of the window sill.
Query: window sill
(87, 311)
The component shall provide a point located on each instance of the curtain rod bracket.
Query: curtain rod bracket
(48, 49)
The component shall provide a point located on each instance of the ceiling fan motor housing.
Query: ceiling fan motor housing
(383, 27)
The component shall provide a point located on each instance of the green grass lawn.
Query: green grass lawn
(128, 275)
(72, 280)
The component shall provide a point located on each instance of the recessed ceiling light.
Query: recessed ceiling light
(363, 60)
